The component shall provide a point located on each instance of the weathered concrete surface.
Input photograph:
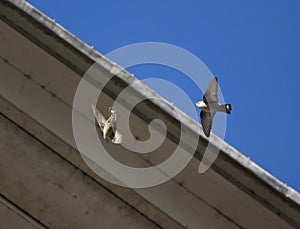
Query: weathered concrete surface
(52, 190)
(12, 217)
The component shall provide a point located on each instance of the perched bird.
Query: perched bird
(209, 106)
(108, 127)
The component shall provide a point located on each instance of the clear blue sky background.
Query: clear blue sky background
(253, 46)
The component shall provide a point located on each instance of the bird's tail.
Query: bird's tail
(226, 108)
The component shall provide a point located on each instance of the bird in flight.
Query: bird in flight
(108, 127)
(209, 106)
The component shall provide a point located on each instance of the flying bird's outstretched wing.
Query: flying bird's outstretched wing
(211, 94)
(108, 127)
(99, 117)
(206, 121)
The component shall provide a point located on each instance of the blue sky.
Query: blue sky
(252, 46)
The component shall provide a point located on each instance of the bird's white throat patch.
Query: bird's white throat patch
(201, 104)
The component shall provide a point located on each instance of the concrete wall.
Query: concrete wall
(52, 190)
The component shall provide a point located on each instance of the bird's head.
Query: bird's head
(112, 110)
